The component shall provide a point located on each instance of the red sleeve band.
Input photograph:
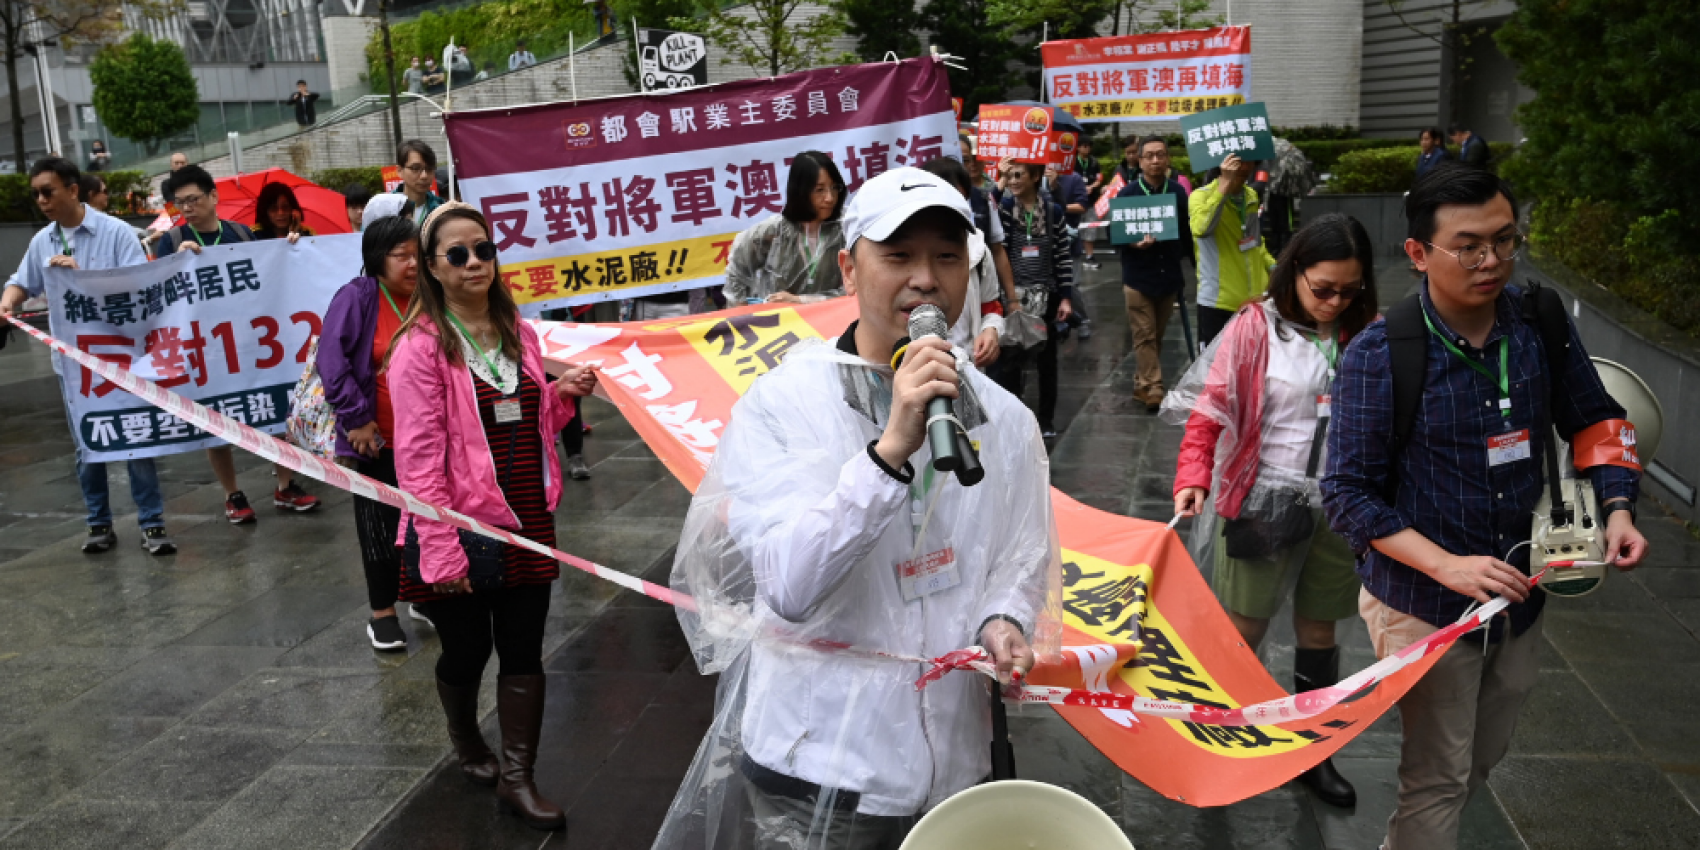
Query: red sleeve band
(1611, 442)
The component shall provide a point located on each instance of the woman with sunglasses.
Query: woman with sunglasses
(476, 434)
(277, 214)
(1256, 409)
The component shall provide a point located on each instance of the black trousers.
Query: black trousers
(376, 524)
(1211, 321)
(508, 620)
(1010, 372)
(572, 436)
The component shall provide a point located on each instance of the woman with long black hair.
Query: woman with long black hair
(478, 437)
(1256, 409)
(793, 257)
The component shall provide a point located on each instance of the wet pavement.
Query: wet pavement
(227, 696)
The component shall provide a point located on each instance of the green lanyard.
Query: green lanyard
(1504, 374)
(65, 247)
(218, 241)
(494, 372)
(397, 310)
(1330, 353)
(1141, 182)
(1029, 213)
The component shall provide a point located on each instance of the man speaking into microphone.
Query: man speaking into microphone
(829, 561)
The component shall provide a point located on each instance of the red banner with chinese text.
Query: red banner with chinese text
(1126, 581)
(643, 194)
(1151, 77)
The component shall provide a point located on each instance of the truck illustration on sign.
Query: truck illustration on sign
(678, 62)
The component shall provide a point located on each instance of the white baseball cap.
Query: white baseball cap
(884, 203)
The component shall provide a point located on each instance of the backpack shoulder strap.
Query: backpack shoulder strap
(1407, 348)
(1544, 309)
(1407, 351)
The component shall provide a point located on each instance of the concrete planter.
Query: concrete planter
(1667, 359)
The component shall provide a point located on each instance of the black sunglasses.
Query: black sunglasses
(459, 256)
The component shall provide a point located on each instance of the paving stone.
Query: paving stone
(277, 698)
(45, 760)
(282, 616)
(1563, 718)
(1605, 803)
(303, 808)
(172, 682)
(102, 824)
(193, 764)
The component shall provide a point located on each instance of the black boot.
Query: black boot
(519, 706)
(1314, 669)
(460, 705)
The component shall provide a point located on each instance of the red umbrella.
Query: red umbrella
(322, 210)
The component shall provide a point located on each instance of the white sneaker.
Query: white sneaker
(416, 613)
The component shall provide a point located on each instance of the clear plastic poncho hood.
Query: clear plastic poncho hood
(791, 549)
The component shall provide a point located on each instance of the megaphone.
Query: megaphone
(1016, 814)
(1573, 552)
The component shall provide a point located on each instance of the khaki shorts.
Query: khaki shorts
(1327, 578)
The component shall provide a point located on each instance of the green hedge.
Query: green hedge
(488, 30)
(17, 203)
(1380, 170)
(1374, 171)
(337, 179)
(1639, 258)
(1324, 153)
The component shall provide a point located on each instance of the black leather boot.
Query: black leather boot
(460, 705)
(519, 706)
(1314, 669)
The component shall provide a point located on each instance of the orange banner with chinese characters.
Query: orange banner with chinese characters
(1126, 581)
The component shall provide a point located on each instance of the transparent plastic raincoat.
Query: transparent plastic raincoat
(778, 254)
(1250, 404)
(793, 549)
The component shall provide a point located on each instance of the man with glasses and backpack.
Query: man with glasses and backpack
(1441, 418)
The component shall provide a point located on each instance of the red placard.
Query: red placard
(1023, 133)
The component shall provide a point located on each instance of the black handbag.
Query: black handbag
(484, 567)
(1286, 520)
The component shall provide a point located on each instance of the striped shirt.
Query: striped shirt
(522, 487)
(1037, 246)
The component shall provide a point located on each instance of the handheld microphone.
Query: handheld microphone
(951, 448)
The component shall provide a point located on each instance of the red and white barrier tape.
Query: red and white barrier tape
(1096, 663)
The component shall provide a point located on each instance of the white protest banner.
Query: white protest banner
(642, 194)
(1152, 77)
(228, 327)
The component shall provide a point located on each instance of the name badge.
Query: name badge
(1030, 252)
(507, 411)
(1249, 242)
(1508, 447)
(928, 574)
(1324, 406)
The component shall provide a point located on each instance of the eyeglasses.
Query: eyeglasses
(1162, 154)
(189, 200)
(417, 168)
(1471, 256)
(459, 256)
(1330, 293)
(403, 255)
(44, 192)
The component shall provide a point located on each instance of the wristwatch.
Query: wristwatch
(1615, 505)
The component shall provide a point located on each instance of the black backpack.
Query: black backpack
(1407, 348)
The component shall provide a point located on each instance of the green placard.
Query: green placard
(1215, 135)
(1135, 217)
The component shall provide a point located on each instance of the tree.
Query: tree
(143, 90)
(1608, 121)
(959, 28)
(762, 35)
(27, 25)
(882, 26)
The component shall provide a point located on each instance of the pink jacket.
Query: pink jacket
(441, 455)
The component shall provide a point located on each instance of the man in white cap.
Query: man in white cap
(821, 523)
